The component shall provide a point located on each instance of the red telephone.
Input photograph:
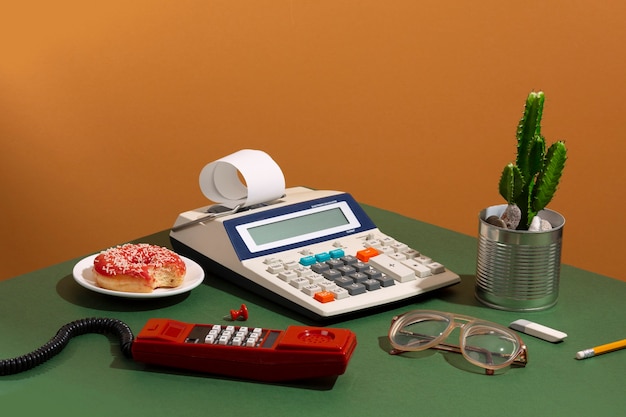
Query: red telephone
(300, 352)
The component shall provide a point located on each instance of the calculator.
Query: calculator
(256, 353)
(313, 251)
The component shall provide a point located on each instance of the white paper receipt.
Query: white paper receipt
(538, 330)
(264, 181)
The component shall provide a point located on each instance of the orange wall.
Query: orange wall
(109, 111)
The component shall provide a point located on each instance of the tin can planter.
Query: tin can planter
(518, 270)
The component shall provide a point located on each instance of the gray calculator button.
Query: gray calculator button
(355, 289)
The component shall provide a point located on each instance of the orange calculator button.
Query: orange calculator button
(365, 254)
(324, 296)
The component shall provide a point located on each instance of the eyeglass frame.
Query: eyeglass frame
(520, 358)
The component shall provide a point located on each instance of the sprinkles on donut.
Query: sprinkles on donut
(138, 268)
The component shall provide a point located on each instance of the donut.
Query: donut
(138, 268)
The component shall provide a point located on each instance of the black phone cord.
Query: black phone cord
(55, 345)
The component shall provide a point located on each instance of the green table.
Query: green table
(91, 377)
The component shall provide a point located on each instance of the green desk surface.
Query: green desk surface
(91, 377)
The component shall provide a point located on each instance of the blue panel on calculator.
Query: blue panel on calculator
(244, 252)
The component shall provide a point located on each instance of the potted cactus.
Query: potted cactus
(529, 184)
(519, 246)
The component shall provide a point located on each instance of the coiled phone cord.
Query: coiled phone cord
(55, 345)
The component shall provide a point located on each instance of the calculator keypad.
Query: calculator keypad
(334, 275)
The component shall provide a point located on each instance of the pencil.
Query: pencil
(599, 350)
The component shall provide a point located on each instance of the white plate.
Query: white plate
(84, 276)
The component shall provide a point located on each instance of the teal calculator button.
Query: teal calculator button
(322, 257)
(308, 260)
(337, 253)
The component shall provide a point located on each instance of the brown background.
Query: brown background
(109, 111)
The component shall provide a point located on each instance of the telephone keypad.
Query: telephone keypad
(227, 335)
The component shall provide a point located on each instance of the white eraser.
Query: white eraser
(538, 330)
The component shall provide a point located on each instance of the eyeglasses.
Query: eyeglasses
(482, 343)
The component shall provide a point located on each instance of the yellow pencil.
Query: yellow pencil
(599, 350)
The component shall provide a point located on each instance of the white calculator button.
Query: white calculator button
(340, 293)
(373, 243)
(291, 265)
(307, 273)
(315, 278)
(400, 247)
(411, 253)
(251, 342)
(393, 268)
(421, 270)
(326, 284)
(299, 283)
(287, 276)
(275, 268)
(436, 267)
(311, 289)
(423, 259)
(237, 341)
(387, 241)
(398, 255)
(387, 250)
(302, 271)
(269, 261)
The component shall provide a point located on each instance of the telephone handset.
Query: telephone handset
(299, 352)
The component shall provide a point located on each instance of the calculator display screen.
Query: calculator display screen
(298, 226)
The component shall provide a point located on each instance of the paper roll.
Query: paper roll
(264, 181)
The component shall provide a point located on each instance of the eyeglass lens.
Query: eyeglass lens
(489, 346)
(417, 334)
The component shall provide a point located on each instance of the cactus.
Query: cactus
(532, 181)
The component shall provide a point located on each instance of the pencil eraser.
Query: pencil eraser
(538, 330)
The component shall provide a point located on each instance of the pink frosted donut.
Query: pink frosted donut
(138, 268)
